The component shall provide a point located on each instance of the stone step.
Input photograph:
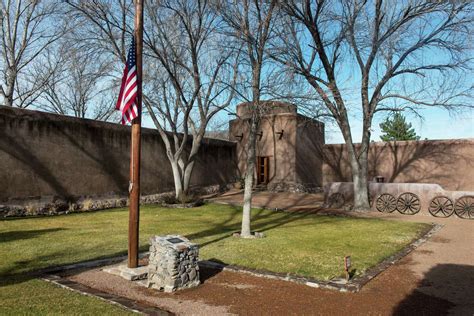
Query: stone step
(131, 274)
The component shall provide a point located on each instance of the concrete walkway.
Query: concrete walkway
(443, 266)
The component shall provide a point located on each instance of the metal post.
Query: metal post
(134, 213)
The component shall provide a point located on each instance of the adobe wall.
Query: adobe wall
(309, 160)
(244, 110)
(44, 154)
(449, 163)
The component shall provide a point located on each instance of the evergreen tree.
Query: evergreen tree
(397, 128)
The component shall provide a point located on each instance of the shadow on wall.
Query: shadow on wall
(216, 158)
(280, 154)
(445, 288)
(446, 162)
(62, 157)
(23, 154)
(336, 166)
(102, 154)
(48, 155)
(279, 149)
(291, 145)
(310, 140)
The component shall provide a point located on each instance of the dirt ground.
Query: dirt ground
(392, 292)
(435, 279)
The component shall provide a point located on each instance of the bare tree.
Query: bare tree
(402, 51)
(107, 25)
(81, 83)
(219, 127)
(250, 22)
(28, 29)
(193, 79)
(102, 32)
(188, 74)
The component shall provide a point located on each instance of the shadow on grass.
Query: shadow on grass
(262, 220)
(26, 234)
(14, 274)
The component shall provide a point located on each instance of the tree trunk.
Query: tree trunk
(178, 186)
(187, 176)
(359, 168)
(7, 100)
(361, 187)
(8, 94)
(249, 172)
(188, 170)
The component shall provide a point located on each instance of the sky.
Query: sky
(437, 123)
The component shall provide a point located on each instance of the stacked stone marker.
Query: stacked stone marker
(172, 264)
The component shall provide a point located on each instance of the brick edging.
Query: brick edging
(128, 304)
(355, 285)
(84, 264)
(280, 276)
(382, 266)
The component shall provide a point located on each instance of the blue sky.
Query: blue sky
(437, 123)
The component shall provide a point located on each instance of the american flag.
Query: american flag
(128, 90)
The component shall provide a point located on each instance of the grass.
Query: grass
(301, 244)
(23, 296)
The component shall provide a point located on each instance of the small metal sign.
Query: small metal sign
(175, 240)
(347, 266)
(347, 262)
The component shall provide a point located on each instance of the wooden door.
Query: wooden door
(262, 170)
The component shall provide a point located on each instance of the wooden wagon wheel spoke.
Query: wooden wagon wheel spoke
(461, 211)
(408, 203)
(412, 207)
(447, 207)
(441, 206)
(414, 203)
(386, 203)
(464, 207)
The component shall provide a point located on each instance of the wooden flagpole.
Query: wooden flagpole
(134, 212)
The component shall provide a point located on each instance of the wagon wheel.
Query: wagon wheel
(336, 200)
(408, 203)
(441, 206)
(386, 203)
(464, 207)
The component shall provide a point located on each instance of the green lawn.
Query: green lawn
(301, 244)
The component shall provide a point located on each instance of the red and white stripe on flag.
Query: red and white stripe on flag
(127, 100)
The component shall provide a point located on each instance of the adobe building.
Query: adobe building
(54, 164)
(289, 147)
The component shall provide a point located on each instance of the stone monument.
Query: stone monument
(173, 263)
